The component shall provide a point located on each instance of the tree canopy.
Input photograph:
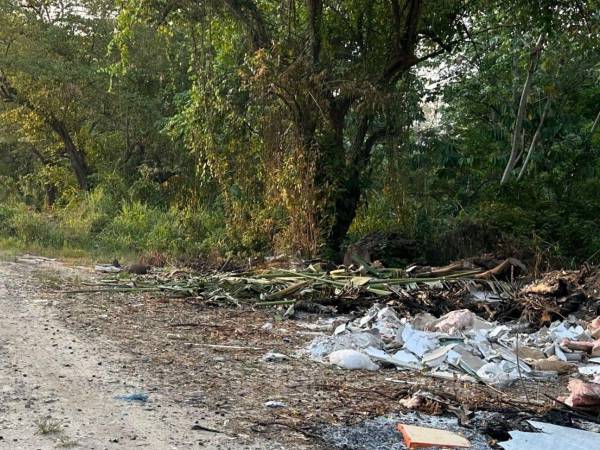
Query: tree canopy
(289, 125)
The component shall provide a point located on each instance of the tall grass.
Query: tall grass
(100, 224)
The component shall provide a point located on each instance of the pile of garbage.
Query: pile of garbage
(460, 345)
(479, 320)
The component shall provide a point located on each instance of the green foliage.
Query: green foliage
(138, 228)
(263, 126)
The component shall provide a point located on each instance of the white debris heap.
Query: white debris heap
(459, 345)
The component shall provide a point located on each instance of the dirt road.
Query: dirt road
(68, 352)
(58, 390)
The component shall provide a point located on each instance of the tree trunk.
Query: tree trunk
(51, 194)
(347, 199)
(78, 164)
(76, 156)
(517, 132)
(352, 176)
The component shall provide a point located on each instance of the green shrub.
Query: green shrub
(6, 217)
(87, 215)
(138, 228)
(32, 227)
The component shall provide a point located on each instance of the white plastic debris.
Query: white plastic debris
(107, 268)
(322, 346)
(274, 404)
(275, 357)
(560, 330)
(503, 373)
(352, 360)
(592, 370)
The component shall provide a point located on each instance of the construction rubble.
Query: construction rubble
(481, 321)
(458, 345)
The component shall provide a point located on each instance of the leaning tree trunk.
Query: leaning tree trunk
(75, 155)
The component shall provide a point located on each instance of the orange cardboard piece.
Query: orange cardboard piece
(419, 437)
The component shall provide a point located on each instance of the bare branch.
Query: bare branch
(514, 154)
(535, 139)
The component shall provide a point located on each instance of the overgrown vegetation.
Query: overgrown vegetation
(226, 127)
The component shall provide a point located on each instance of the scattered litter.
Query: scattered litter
(107, 268)
(473, 320)
(275, 357)
(457, 345)
(141, 397)
(198, 427)
(274, 404)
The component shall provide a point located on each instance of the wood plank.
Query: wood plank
(419, 437)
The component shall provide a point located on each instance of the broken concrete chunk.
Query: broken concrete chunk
(418, 342)
(455, 321)
(406, 359)
(438, 356)
(503, 373)
(461, 357)
(561, 330)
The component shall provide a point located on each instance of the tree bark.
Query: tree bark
(315, 13)
(76, 156)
